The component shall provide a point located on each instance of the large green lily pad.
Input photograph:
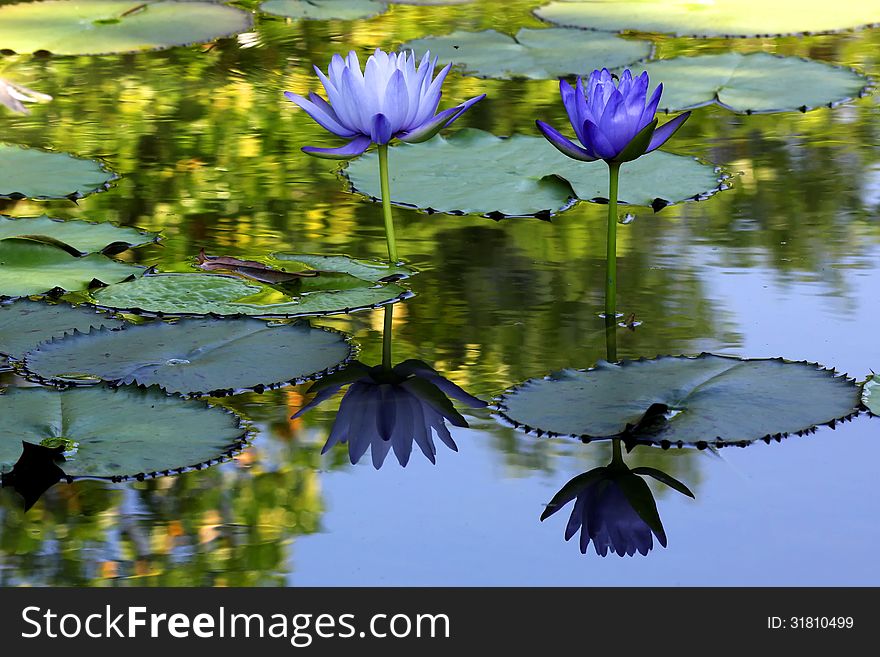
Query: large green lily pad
(204, 294)
(364, 270)
(117, 433)
(95, 27)
(84, 236)
(31, 173)
(194, 356)
(740, 18)
(535, 54)
(678, 400)
(476, 172)
(32, 267)
(871, 394)
(754, 83)
(324, 9)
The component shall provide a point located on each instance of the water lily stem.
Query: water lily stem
(386, 203)
(617, 454)
(611, 338)
(386, 338)
(611, 244)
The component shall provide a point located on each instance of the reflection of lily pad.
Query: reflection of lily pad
(366, 270)
(758, 82)
(324, 9)
(94, 27)
(194, 356)
(707, 400)
(30, 173)
(84, 236)
(203, 294)
(124, 432)
(31, 267)
(871, 394)
(476, 172)
(536, 54)
(716, 18)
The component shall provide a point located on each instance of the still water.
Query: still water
(786, 263)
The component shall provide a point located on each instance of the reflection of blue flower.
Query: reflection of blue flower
(390, 409)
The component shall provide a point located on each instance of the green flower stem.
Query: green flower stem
(386, 203)
(617, 454)
(386, 338)
(611, 244)
(611, 338)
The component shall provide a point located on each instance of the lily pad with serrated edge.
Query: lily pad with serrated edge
(871, 394)
(737, 18)
(194, 356)
(126, 432)
(32, 173)
(83, 236)
(96, 27)
(324, 9)
(475, 172)
(680, 400)
(536, 54)
(365, 270)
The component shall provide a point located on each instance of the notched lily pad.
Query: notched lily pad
(324, 9)
(31, 173)
(679, 400)
(84, 236)
(194, 356)
(871, 394)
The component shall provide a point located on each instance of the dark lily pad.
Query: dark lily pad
(679, 400)
(476, 172)
(324, 9)
(31, 173)
(117, 433)
(83, 236)
(194, 356)
(871, 394)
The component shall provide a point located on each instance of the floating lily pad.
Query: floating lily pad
(31, 173)
(535, 54)
(677, 400)
(116, 433)
(754, 83)
(324, 9)
(476, 172)
(204, 294)
(31, 267)
(25, 324)
(740, 18)
(871, 394)
(84, 236)
(194, 356)
(95, 27)
(366, 270)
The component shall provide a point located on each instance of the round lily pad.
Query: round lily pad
(117, 433)
(476, 172)
(679, 400)
(324, 9)
(24, 324)
(32, 267)
(83, 236)
(205, 294)
(31, 173)
(365, 270)
(871, 394)
(535, 54)
(739, 18)
(95, 27)
(194, 356)
(754, 83)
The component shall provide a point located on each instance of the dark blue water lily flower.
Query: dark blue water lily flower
(386, 410)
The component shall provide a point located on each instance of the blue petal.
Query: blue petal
(665, 131)
(402, 438)
(651, 107)
(380, 130)
(563, 144)
(396, 101)
(598, 142)
(386, 414)
(324, 116)
(352, 149)
(616, 125)
(427, 130)
(320, 398)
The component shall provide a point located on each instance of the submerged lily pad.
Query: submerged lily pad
(871, 394)
(476, 172)
(95, 27)
(741, 18)
(324, 9)
(194, 356)
(31, 173)
(32, 267)
(84, 236)
(754, 83)
(365, 270)
(535, 54)
(204, 294)
(117, 433)
(679, 400)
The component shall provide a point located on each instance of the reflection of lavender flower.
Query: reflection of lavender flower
(390, 409)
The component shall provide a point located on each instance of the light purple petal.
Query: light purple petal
(380, 129)
(665, 131)
(563, 144)
(323, 116)
(354, 101)
(435, 125)
(396, 102)
(352, 149)
(431, 97)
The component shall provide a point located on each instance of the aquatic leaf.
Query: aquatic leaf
(194, 356)
(740, 18)
(678, 400)
(31, 173)
(536, 54)
(461, 175)
(95, 27)
(871, 394)
(324, 9)
(31, 267)
(118, 433)
(83, 236)
(14, 96)
(365, 270)
(252, 269)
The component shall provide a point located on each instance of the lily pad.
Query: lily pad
(754, 83)
(83, 236)
(476, 172)
(117, 433)
(324, 9)
(25, 324)
(679, 400)
(536, 54)
(96, 27)
(194, 356)
(871, 394)
(739, 18)
(204, 294)
(31, 267)
(31, 173)
(366, 270)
